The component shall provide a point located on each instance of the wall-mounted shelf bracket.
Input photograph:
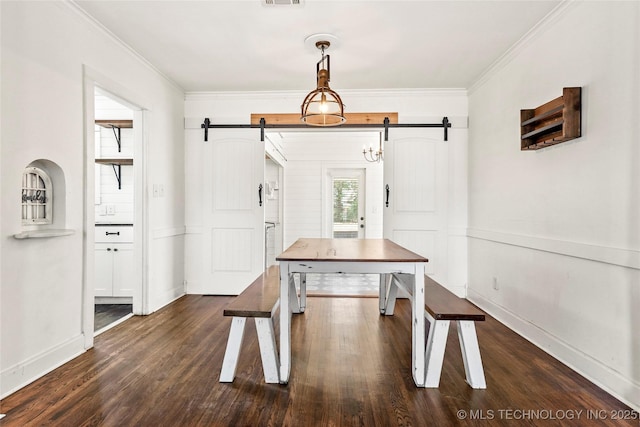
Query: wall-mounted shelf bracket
(118, 173)
(116, 164)
(116, 126)
(118, 136)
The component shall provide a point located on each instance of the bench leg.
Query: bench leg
(434, 355)
(231, 354)
(268, 350)
(471, 354)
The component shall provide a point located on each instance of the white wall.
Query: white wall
(45, 48)
(559, 228)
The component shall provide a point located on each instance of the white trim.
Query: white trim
(617, 256)
(162, 233)
(78, 10)
(252, 95)
(193, 229)
(141, 119)
(34, 234)
(173, 299)
(111, 325)
(593, 370)
(18, 376)
(504, 59)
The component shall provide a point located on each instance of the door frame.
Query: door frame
(327, 194)
(141, 116)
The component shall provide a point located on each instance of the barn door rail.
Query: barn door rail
(262, 125)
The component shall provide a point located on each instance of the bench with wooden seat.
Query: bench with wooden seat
(260, 302)
(442, 307)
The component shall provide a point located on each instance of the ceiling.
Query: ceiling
(244, 45)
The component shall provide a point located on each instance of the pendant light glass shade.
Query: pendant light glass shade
(323, 106)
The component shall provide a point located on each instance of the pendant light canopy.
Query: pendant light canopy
(323, 106)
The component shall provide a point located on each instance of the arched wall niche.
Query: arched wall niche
(43, 200)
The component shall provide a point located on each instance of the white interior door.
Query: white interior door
(232, 240)
(415, 196)
(345, 217)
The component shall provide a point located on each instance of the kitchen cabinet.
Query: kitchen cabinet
(114, 267)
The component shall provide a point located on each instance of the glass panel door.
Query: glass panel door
(347, 203)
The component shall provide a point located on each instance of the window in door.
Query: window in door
(347, 203)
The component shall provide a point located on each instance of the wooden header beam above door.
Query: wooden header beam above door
(352, 119)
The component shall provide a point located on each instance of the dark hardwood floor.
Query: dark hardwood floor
(351, 367)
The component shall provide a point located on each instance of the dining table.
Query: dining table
(352, 256)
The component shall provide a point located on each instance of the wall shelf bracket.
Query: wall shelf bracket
(117, 170)
(117, 134)
(116, 164)
(116, 126)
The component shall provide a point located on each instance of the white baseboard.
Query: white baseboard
(601, 375)
(16, 377)
(169, 297)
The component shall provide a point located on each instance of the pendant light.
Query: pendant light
(323, 106)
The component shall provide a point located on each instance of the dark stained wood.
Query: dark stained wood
(352, 118)
(557, 121)
(352, 368)
(443, 304)
(260, 298)
(363, 250)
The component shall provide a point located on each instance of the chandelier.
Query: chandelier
(371, 155)
(322, 106)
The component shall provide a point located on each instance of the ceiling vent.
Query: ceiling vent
(281, 2)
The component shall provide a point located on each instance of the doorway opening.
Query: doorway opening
(344, 219)
(114, 196)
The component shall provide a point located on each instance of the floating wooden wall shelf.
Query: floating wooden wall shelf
(556, 121)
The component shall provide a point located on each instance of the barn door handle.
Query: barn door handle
(260, 194)
(387, 190)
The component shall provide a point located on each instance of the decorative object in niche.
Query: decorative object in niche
(557, 121)
(37, 194)
(38, 204)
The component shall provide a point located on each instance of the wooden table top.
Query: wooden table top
(356, 250)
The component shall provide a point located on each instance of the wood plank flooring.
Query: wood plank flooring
(350, 367)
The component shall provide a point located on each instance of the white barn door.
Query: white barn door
(226, 253)
(415, 193)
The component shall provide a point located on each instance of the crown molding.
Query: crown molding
(79, 11)
(545, 23)
(197, 95)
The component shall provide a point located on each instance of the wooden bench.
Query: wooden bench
(442, 307)
(260, 302)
